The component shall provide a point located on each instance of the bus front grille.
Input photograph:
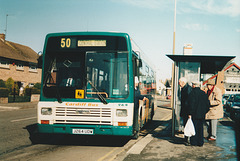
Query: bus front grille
(75, 115)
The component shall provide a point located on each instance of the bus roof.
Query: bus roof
(88, 33)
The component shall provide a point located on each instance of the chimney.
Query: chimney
(2, 36)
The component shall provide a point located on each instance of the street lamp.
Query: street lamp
(173, 71)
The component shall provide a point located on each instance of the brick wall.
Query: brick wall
(22, 75)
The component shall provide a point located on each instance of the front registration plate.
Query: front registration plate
(82, 131)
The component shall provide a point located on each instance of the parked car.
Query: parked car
(228, 102)
(233, 105)
(225, 98)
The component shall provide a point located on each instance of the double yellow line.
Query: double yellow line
(109, 153)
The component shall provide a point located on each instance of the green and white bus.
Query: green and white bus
(88, 85)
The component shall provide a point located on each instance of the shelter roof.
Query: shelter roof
(209, 64)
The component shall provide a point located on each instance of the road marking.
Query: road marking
(29, 118)
(106, 155)
(111, 159)
(8, 108)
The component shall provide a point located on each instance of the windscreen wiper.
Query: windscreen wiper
(47, 75)
(100, 97)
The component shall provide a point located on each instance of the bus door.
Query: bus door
(137, 123)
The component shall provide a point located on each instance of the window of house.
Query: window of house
(4, 63)
(19, 66)
(32, 68)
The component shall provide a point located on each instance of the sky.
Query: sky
(211, 26)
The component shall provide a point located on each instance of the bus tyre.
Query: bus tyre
(136, 135)
(152, 112)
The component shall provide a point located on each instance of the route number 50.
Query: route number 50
(65, 42)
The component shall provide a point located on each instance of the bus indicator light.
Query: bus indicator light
(122, 123)
(44, 121)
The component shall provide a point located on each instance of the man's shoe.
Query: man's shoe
(212, 138)
(187, 144)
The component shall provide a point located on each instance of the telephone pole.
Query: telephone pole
(6, 26)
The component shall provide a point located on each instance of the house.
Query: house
(231, 79)
(18, 62)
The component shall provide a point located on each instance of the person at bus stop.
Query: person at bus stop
(137, 97)
(184, 111)
(198, 107)
(216, 109)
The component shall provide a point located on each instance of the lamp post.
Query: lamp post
(173, 71)
(174, 27)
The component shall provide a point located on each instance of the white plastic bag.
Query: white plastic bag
(189, 129)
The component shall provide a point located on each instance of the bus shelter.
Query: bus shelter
(193, 68)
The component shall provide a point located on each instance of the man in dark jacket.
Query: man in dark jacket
(198, 107)
(184, 111)
(185, 91)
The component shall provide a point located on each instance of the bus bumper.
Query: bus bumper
(96, 129)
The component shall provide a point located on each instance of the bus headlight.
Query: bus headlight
(46, 111)
(121, 113)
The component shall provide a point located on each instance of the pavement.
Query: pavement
(160, 145)
(17, 105)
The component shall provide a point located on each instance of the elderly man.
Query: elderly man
(198, 107)
(185, 91)
(184, 111)
(216, 109)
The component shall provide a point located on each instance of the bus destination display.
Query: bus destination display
(71, 43)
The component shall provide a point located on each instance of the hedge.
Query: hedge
(2, 83)
(30, 91)
(18, 99)
(4, 92)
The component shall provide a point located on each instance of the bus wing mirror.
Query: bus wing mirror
(139, 62)
(39, 65)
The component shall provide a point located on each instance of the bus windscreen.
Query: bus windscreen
(91, 66)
